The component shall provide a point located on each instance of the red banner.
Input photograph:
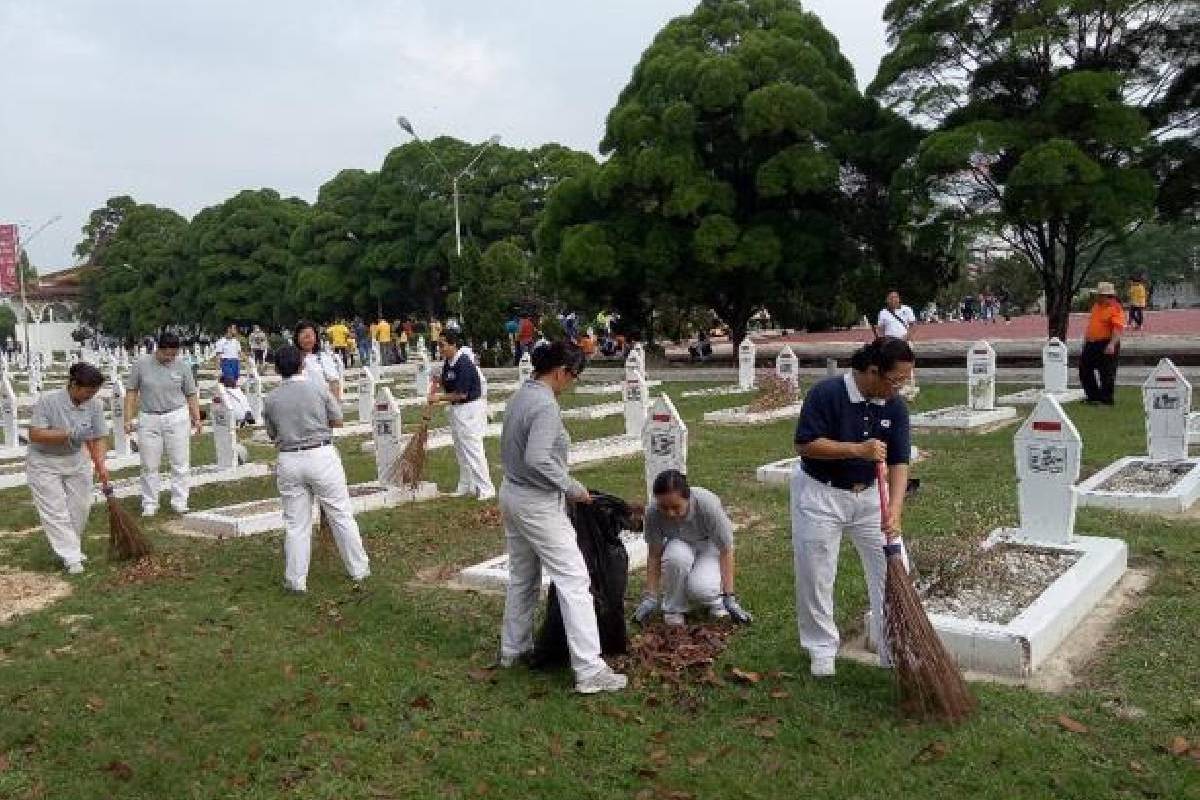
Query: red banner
(9, 239)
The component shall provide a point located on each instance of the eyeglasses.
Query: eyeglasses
(896, 383)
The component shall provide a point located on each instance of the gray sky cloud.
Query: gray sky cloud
(182, 104)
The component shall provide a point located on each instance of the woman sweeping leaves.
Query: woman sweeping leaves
(62, 425)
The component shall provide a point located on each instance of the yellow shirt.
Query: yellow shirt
(339, 335)
(382, 332)
(1137, 294)
(435, 331)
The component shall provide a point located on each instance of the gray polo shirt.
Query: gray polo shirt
(705, 521)
(534, 443)
(56, 410)
(297, 413)
(161, 388)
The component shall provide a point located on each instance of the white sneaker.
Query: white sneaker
(822, 667)
(717, 611)
(673, 619)
(74, 568)
(604, 681)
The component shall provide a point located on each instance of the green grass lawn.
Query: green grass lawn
(208, 681)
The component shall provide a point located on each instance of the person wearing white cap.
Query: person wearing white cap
(1102, 346)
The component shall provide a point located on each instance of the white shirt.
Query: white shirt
(320, 368)
(236, 402)
(228, 348)
(889, 325)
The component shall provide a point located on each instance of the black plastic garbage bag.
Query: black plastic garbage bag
(598, 526)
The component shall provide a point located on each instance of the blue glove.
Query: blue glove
(736, 612)
(648, 606)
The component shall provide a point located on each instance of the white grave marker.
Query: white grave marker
(787, 367)
(35, 377)
(8, 412)
(747, 352)
(385, 426)
(117, 404)
(376, 354)
(664, 440)
(224, 427)
(634, 393)
(1048, 452)
(340, 363)
(981, 377)
(1054, 366)
(366, 394)
(1167, 397)
(254, 393)
(424, 373)
(524, 368)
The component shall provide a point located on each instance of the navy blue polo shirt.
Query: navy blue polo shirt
(835, 409)
(462, 377)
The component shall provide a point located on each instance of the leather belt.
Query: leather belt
(303, 447)
(845, 486)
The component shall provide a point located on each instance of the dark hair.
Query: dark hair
(168, 341)
(548, 356)
(84, 374)
(304, 325)
(289, 359)
(452, 337)
(672, 481)
(884, 353)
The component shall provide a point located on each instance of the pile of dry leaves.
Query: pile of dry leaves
(154, 567)
(773, 393)
(676, 654)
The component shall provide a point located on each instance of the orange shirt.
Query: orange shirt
(1107, 316)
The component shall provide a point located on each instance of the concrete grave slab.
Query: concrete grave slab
(603, 448)
(963, 419)
(717, 391)
(780, 472)
(741, 415)
(492, 575)
(597, 411)
(1135, 483)
(609, 388)
(198, 476)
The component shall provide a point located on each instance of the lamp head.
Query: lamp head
(405, 125)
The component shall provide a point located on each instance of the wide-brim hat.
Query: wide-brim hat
(1106, 287)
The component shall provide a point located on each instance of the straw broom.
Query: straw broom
(930, 682)
(410, 465)
(125, 539)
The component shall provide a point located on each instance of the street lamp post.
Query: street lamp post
(21, 279)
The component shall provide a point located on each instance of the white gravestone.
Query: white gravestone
(634, 394)
(1167, 397)
(981, 377)
(8, 412)
(366, 394)
(376, 354)
(787, 367)
(421, 345)
(1048, 452)
(117, 401)
(254, 393)
(664, 440)
(524, 369)
(747, 352)
(424, 373)
(35, 377)
(224, 429)
(340, 363)
(1054, 366)
(385, 426)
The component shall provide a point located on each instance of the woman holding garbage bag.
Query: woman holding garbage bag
(63, 423)
(690, 539)
(537, 531)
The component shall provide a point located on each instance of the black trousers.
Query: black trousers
(1093, 363)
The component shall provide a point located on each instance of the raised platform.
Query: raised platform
(1017, 648)
(264, 516)
(779, 473)
(199, 476)
(1177, 490)
(1031, 397)
(609, 388)
(961, 419)
(438, 438)
(717, 391)
(492, 575)
(739, 415)
(606, 447)
(598, 411)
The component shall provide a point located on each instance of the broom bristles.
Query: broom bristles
(409, 468)
(930, 683)
(324, 535)
(125, 539)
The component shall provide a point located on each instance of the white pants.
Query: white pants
(467, 425)
(170, 434)
(820, 515)
(62, 493)
(539, 536)
(691, 576)
(305, 476)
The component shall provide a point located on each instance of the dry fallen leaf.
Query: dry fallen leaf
(619, 714)
(780, 694)
(95, 703)
(660, 756)
(289, 672)
(934, 751)
(1179, 746)
(482, 675)
(358, 723)
(119, 770)
(744, 676)
(1072, 725)
(1136, 766)
(697, 759)
(421, 701)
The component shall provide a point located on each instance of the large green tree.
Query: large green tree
(1045, 114)
(101, 226)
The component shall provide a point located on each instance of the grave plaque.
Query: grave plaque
(1167, 398)
(366, 393)
(524, 368)
(8, 412)
(117, 404)
(385, 427)
(981, 377)
(787, 367)
(664, 440)
(424, 374)
(635, 396)
(1048, 451)
(254, 393)
(224, 428)
(1054, 366)
(747, 353)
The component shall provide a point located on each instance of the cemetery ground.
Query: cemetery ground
(193, 675)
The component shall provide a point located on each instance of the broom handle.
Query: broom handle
(881, 477)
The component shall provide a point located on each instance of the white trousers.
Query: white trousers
(467, 425)
(62, 493)
(691, 576)
(539, 536)
(820, 515)
(316, 475)
(168, 434)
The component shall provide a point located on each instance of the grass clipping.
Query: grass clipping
(773, 393)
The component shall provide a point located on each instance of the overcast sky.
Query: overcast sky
(182, 103)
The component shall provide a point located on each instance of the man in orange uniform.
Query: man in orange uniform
(1102, 346)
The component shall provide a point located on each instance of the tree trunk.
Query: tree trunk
(1058, 310)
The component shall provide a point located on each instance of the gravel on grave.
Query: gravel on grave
(26, 592)
(996, 584)
(1147, 477)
